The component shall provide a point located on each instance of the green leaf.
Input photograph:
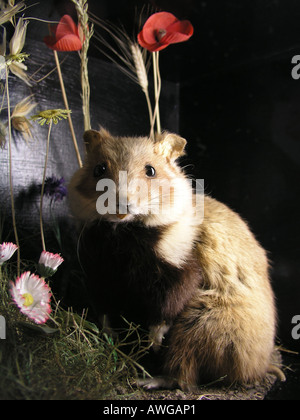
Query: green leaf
(44, 329)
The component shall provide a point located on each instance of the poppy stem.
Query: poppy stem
(43, 186)
(151, 117)
(157, 90)
(13, 212)
(65, 99)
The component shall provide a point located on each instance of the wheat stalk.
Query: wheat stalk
(139, 66)
(142, 76)
(133, 60)
(83, 18)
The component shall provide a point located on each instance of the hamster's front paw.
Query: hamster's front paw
(157, 334)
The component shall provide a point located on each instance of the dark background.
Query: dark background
(229, 91)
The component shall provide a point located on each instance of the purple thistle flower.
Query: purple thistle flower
(55, 188)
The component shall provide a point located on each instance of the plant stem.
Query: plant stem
(85, 86)
(43, 187)
(83, 18)
(13, 212)
(142, 78)
(150, 114)
(64, 95)
(157, 90)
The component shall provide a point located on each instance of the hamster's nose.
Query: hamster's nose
(122, 209)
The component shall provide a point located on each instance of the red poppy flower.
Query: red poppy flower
(66, 36)
(163, 29)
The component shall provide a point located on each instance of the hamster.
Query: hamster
(200, 280)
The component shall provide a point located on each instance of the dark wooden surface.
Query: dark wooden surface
(117, 103)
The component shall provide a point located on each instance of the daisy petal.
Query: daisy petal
(49, 263)
(32, 296)
(7, 249)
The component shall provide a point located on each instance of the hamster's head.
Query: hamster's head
(127, 179)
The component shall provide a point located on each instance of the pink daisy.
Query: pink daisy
(7, 249)
(49, 263)
(32, 295)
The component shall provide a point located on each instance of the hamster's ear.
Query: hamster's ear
(92, 138)
(171, 146)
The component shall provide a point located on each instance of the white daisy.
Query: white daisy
(32, 295)
(7, 249)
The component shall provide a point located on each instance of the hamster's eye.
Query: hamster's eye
(150, 171)
(100, 170)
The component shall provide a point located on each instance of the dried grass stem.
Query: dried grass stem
(142, 76)
(13, 212)
(157, 90)
(65, 99)
(43, 187)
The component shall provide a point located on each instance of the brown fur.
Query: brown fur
(228, 327)
(224, 325)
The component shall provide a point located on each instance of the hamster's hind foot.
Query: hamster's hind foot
(164, 382)
(274, 370)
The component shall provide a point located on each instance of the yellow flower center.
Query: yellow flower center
(28, 299)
